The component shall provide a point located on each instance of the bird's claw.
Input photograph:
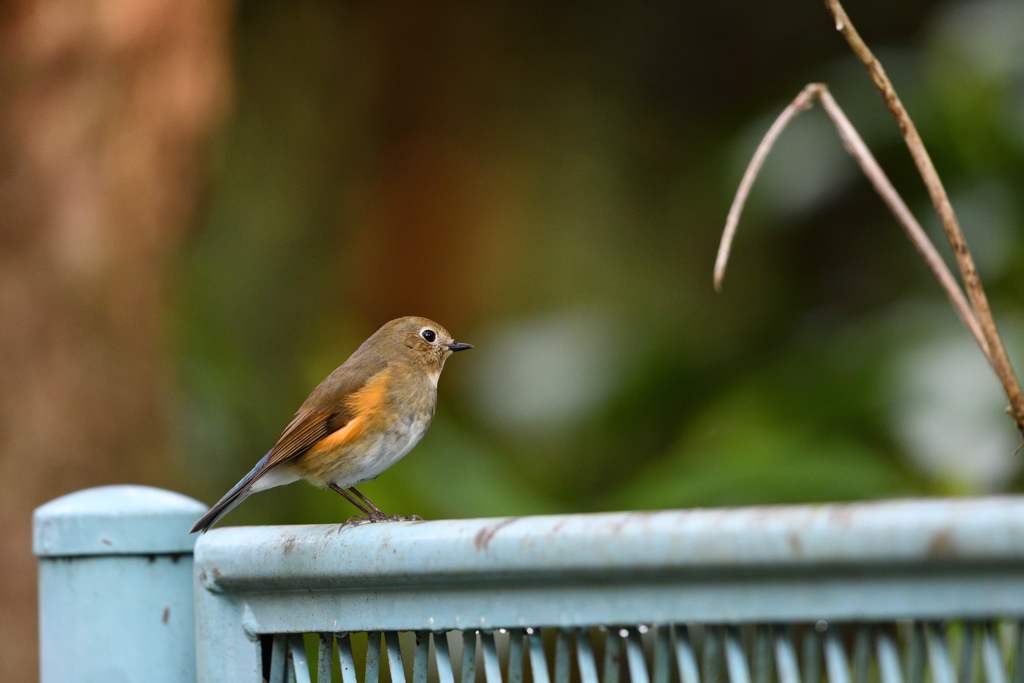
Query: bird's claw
(359, 520)
(355, 520)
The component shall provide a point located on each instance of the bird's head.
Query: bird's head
(419, 341)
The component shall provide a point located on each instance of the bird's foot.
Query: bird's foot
(359, 520)
(405, 518)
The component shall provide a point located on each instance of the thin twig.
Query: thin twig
(859, 151)
(802, 102)
(968, 272)
(856, 147)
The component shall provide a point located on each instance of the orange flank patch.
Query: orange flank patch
(328, 455)
(368, 402)
(339, 439)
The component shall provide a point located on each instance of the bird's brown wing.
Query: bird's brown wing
(305, 429)
(327, 410)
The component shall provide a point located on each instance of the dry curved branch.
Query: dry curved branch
(968, 272)
(973, 308)
(802, 102)
(859, 151)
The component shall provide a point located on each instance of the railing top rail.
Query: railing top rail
(935, 531)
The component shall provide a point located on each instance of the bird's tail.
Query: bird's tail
(236, 495)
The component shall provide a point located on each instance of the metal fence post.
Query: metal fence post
(115, 586)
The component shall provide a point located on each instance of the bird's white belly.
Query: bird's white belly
(382, 451)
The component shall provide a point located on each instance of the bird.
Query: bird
(362, 419)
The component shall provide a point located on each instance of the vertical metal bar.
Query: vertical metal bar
(538, 662)
(836, 664)
(785, 657)
(712, 658)
(394, 657)
(735, 658)
(585, 657)
(515, 655)
(613, 654)
(662, 654)
(992, 657)
(325, 654)
(562, 656)
(468, 656)
(762, 654)
(297, 651)
(278, 655)
(492, 667)
(686, 661)
(348, 664)
(888, 656)
(812, 655)
(421, 658)
(938, 655)
(445, 673)
(967, 654)
(1018, 655)
(915, 654)
(862, 654)
(635, 658)
(372, 657)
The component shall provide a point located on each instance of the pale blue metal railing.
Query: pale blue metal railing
(894, 592)
(927, 591)
(115, 586)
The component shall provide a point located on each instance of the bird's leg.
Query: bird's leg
(372, 512)
(346, 496)
(366, 500)
(382, 515)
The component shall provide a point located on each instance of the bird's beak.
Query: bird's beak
(456, 346)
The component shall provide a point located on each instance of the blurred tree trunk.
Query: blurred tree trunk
(105, 109)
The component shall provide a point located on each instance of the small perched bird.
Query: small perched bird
(360, 421)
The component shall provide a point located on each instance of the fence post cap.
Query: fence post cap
(115, 520)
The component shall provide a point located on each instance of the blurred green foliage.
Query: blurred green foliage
(549, 182)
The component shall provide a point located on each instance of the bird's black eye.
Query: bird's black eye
(428, 335)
